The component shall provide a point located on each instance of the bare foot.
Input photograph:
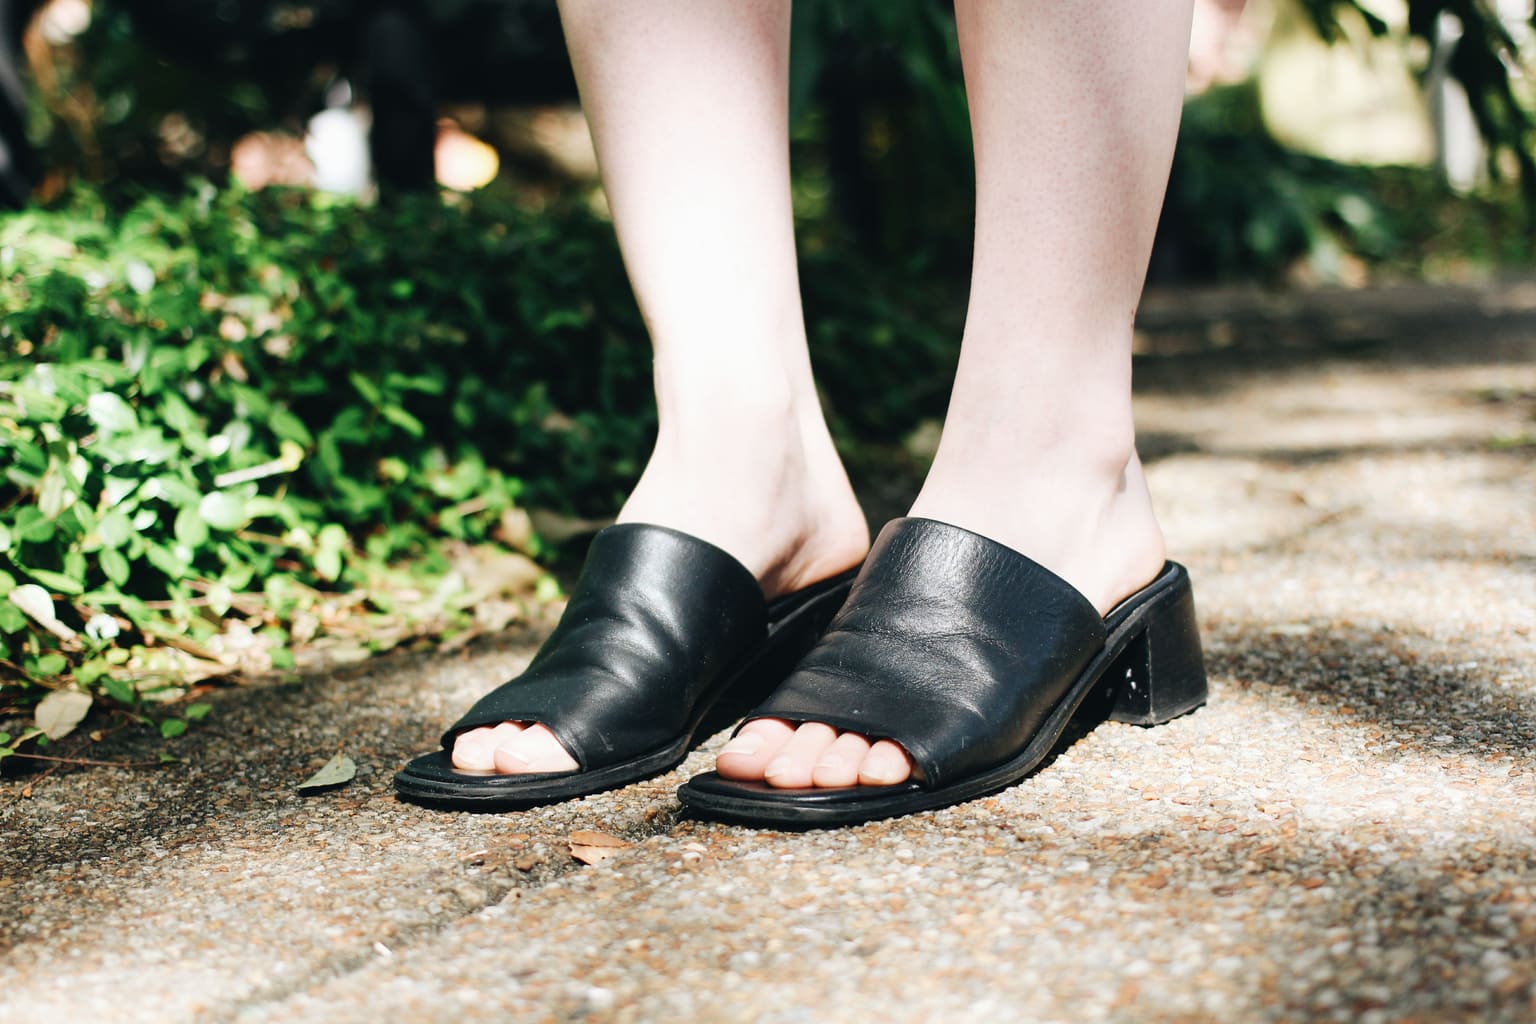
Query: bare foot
(771, 492)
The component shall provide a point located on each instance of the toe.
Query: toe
(531, 749)
(475, 751)
(886, 764)
(746, 757)
(796, 762)
(839, 764)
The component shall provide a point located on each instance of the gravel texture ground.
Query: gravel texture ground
(1347, 832)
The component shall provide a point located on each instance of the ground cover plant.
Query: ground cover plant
(218, 409)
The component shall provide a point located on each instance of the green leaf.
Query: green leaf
(197, 712)
(223, 510)
(402, 419)
(167, 560)
(74, 564)
(116, 489)
(114, 529)
(56, 581)
(114, 565)
(88, 673)
(139, 277)
(58, 491)
(50, 665)
(119, 690)
(173, 727)
(328, 564)
(191, 529)
(179, 416)
(367, 388)
(111, 414)
(38, 405)
(173, 489)
(289, 427)
(141, 447)
(32, 526)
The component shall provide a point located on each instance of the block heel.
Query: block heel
(1161, 673)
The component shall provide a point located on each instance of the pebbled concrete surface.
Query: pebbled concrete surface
(1348, 831)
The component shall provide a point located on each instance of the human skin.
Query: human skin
(1074, 111)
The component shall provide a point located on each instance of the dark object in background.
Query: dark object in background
(414, 55)
(406, 56)
(18, 164)
(398, 79)
(206, 59)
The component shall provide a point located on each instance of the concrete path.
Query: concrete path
(1347, 832)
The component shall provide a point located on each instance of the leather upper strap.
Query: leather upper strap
(654, 619)
(950, 644)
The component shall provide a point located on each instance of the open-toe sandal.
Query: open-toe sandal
(665, 640)
(973, 658)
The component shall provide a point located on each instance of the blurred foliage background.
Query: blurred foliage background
(242, 417)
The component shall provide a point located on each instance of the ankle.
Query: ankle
(763, 483)
(1080, 507)
(1080, 444)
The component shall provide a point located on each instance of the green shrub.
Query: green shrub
(222, 414)
(213, 406)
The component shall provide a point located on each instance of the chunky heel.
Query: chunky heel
(1161, 674)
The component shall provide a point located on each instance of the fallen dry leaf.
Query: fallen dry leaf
(491, 571)
(555, 528)
(515, 530)
(596, 847)
(58, 713)
(338, 771)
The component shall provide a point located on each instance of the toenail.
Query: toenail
(519, 758)
(776, 767)
(746, 745)
(829, 762)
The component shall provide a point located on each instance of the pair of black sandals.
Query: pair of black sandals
(968, 654)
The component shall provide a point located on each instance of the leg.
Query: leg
(688, 105)
(1074, 110)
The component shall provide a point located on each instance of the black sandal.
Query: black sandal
(666, 639)
(973, 658)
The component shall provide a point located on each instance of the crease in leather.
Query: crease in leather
(1015, 637)
(654, 620)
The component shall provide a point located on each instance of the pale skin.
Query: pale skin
(1074, 110)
